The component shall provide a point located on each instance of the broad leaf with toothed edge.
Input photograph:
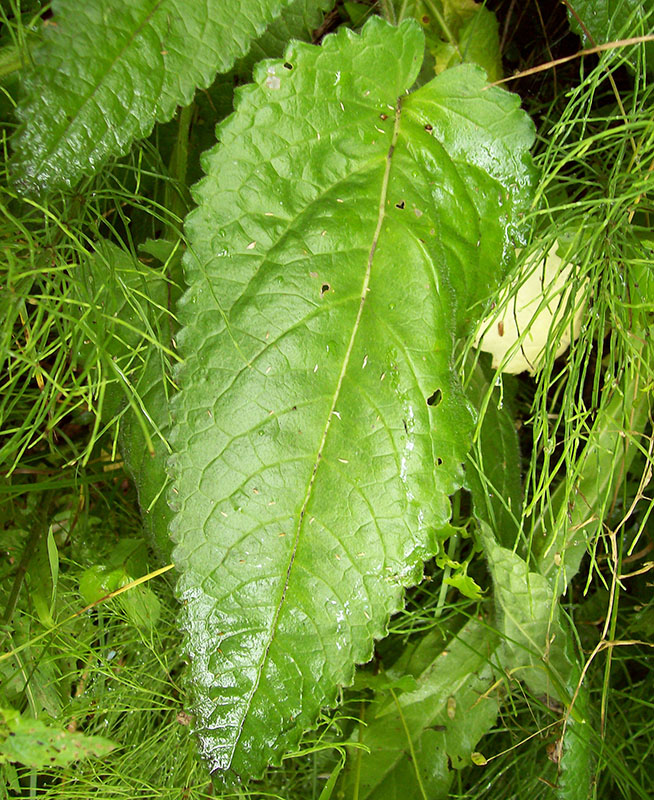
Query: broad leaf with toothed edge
(107, 70)
(344, 231)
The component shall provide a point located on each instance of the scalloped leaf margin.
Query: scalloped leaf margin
(107, 70)
(343, 233)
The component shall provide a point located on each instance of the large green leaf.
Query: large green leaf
(108, 69)
(344, 231)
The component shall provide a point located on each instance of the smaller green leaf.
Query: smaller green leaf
(600, 21)
(535, 645)
(477, 42)
(357, 12)
(126, 563)
(142, 607)
(97, 582)
(457, 31)
(37, 745)
(418, 738)
(8, 772)
(459, 578)
(464, 583)
(53, 560)
(479, 759)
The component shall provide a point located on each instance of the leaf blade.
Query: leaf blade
(108, 69)
(445, 716)
(312, 396)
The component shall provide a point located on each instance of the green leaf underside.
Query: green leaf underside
(445, 715)
(108, 69)
(120, 328)
(336, 225)
(536, 647)
(599, 21)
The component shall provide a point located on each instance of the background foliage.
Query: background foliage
(520, 665)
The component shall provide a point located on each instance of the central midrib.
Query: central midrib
(346, 360)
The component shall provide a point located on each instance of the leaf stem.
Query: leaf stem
(412, 751)
(388, 11)
(176, 192)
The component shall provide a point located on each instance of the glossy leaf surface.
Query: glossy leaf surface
(344, 231)
(108, 69)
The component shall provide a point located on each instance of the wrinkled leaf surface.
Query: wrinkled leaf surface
(108, 69)
(344, 231)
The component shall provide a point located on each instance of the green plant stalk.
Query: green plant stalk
(389, 11)
(175, 196)
(409, 739)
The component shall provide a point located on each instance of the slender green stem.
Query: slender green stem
(402, 12)
(388, 10)
(451, 38)
(177, 200)
(359, 755)
(412, 751)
